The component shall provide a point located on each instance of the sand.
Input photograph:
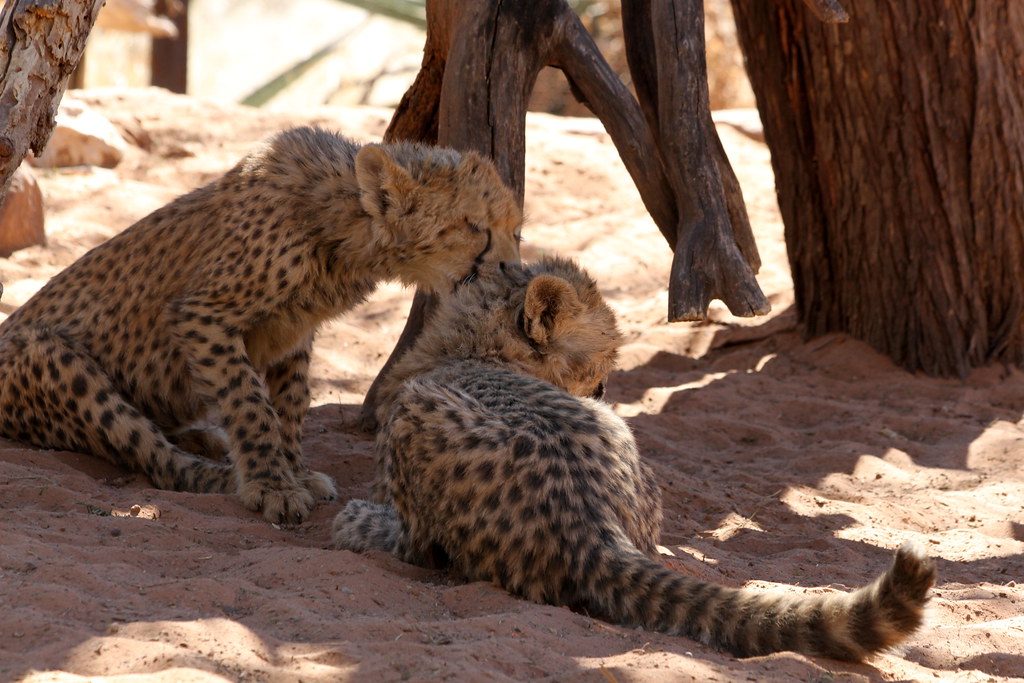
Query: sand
(785, 463)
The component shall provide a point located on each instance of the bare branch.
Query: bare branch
(713, 226)
(604, 93)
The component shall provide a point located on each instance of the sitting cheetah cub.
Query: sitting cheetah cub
(495, 458)
(211, 303)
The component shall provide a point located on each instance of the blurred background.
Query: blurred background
(305, 53)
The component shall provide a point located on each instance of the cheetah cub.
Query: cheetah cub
(210, 304)
(495, 458)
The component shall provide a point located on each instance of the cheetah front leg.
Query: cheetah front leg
(268, 474)
(288, 386)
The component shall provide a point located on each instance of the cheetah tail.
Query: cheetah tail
(847, 626)
(364, 525)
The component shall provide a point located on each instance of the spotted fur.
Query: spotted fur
(210, 304)
(494, 458)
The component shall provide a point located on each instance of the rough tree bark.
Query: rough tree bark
(41, 43)
(898, 147)
(480, 63)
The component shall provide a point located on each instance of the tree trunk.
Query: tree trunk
(41, 43)
(169, 56)
(897, 142)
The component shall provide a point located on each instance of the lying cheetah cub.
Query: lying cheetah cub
(495, 458)
(212, 301)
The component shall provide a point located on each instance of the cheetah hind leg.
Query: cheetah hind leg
(55, 396)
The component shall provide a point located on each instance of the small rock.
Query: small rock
(140, 511)
(21, 213)
(81, 138)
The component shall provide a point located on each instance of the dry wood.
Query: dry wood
(41, 43)
(898, 147)
(665, 49)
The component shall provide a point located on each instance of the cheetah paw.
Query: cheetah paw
(318, 484)
(279, 505)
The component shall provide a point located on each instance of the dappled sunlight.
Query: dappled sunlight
(212, 648)
(175, 674)
(689, 551)
(677, 666)
(654, 399)
(1000, 440)
(946, 510)
(733, 524)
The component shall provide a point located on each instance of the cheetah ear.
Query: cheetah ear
(475, 164)
(383, 183)
(473, 160)
(551, 305)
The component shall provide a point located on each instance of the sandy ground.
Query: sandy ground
(784, 463)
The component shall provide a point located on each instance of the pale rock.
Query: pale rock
(81, 138)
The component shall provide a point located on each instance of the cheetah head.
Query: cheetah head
(444, 216)
(570, 329)
(546, 319)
